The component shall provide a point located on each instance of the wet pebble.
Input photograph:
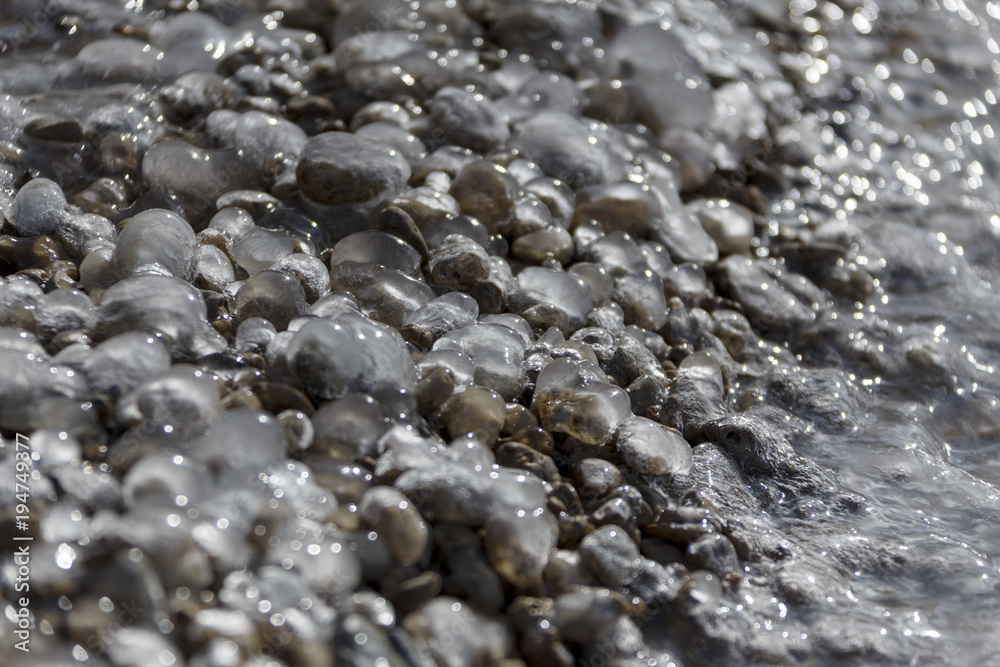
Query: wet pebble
(270, 295)
(326, 357)
(651, 449)
(156, 241)
(469, 119)
(341, 168)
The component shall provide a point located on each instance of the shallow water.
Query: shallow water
(862, 127)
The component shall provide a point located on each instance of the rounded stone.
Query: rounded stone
(340, 168)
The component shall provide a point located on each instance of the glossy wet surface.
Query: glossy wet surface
(300, 425)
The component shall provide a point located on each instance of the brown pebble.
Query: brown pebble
(516, 455)
(415, 591)
(277, 397)
(394, 220)
(52, 128)
(434, 389)
(476, 410)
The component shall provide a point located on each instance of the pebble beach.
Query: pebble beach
(472, 333)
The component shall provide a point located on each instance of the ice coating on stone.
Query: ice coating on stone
(446, 313)
(685, 238)
(574, 397)
(122, 362)
(476, 411)
(409, 146)
(295, 484)
(486, 192)
(497, 353)
(162, 305)
(153, 239)
(457, 363)
(232, 220)
(436, 232)
(259, 248)
(458, 262)
(481, 641)
(197, 175)
(427, 206)
(28, 378)
(373, 247)
(390, 297)
(341, 168)
(550, 243)
(655, 59)
(242, 440)
(564, 292)
(561, 145)
(519, 543)
(268, 140)
(309, 270)
(39, 208)
(652, 449)
(618, 253)
(331, 569)
(213, 269)
(81, 234)
(773, 310)
(586, 613)
(186, 398)
(349, 354)
(64, 310)
(113, 60)
(166, 478)
(521, 532)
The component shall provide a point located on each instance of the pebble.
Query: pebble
(729, 224)
(270, 295)
(373, 247)
(388, 512)
(586, 614)
(665, 100)
(651, 449)
(458, 262)
(561, 145)
(179, 314)
(256, 248)
(477, 411)
(566, 294)
(455, 635)
(574, 397)
(213, 269)
(611, 556)
(198, 176)
(625, 207)
(309, 270)
(447, 312)
(425, 391)
(339, 168)
(469, 119)
(487, 192)
(39, 208)
(156, 241)
(548, 243)
(496, 353)
(409, 146)
(325, 356)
